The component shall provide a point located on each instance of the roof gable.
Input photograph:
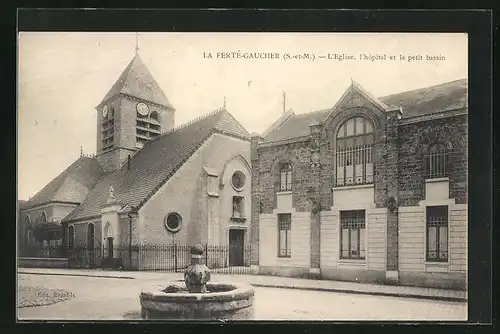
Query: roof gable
(72, 185)
(227, 124)
(155, 163)
(429, 100)
(352, 96)
(137, 81)
(296, 126)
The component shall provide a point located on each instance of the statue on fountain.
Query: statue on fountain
(197, 274)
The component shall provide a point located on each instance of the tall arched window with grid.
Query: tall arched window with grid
(354, 152)
(285, 176)
(437, 161)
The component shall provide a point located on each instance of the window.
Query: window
(43, 217)
(238, 207)
(173, 222)
(71, 236)
(107, 129)
(238, 180)
(354, 152)
(437, 233)
(154, 116)
(284, 235)
(90, 236)
(286, 177)
(436, 163)
(352, 235)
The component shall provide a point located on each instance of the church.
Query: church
(151, 182)
(372, 189)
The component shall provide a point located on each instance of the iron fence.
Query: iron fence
(166, 258)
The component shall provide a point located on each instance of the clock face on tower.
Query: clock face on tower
(104, 111)
(142, 109)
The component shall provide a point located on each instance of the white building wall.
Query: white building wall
(353, 198)
(413, 239)
(300, 236)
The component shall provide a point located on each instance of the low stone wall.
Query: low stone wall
(222, 301)
(41, 262)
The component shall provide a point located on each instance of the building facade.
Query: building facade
(151, 183)
(370, 190)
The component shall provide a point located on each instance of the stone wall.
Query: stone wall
(400, 147)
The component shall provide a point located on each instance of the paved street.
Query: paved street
(118, 299)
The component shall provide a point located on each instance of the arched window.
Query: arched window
(43, 217)
(90, 236)
(71, 236)
(285, 177)
(154, 115)
(436, 162)
(354, 152)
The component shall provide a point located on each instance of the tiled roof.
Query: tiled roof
(447, 96)
(155, 163)
(296, 126)
(136, 80)
(424, 101)
(72, 185)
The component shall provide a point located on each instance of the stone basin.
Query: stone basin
(222, 301)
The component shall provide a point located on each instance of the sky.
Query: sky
(62, 76)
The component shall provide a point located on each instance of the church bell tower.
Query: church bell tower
(134, 111)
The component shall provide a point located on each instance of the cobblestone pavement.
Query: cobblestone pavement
(118, 299)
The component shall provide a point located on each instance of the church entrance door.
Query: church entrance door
(236, 246)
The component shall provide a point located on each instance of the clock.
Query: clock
(142, 109)
(105, 112)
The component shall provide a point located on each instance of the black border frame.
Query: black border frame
(476, 23)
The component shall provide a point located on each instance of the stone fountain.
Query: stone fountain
(196, 297)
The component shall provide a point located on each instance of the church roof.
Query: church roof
(72, 185)
(137, 81)
(424, 101)
(156, 162)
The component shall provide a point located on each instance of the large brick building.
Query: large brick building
(369, 190)
(150, 182)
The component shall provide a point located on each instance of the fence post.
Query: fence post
(175, 256)
(206, 255)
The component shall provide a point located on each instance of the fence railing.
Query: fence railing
(168, 258)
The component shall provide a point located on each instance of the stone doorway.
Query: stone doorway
(236, 247)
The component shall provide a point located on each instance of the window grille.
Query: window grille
(354, 152)
(437, 233)
(284, 235)
(352, 235)
(286, 177)
(437, 162)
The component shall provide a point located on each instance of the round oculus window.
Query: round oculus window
(238, 180)
(173, 222)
